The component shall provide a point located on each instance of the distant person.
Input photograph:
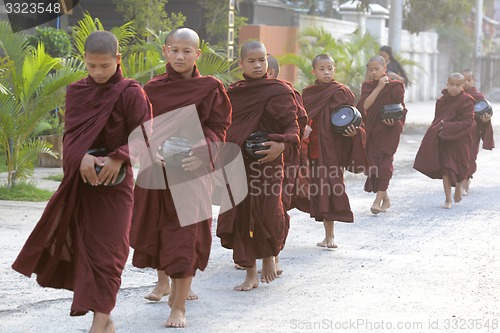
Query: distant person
(257, 227)
(158, 239)
(330, 153)
(81, 242)
(382, 135)
(484, 129)
(394, 69)
(446, 146)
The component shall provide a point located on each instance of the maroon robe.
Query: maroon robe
(336, 152)
(483, 131)
(445, 147)
(381, 140)
(257, 227)
(158, 239)
(292, 195)
(81, 242)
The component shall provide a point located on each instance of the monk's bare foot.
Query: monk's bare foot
(238, 267)
(447, 204)
(110, 326)
(268, 273)
(376, 209)
(249, 284)
(386, 204)
(191, 296)
(158, 292)
(176, 319)
(327, 243)
(279, 271)
(171, 296)
(458, 196)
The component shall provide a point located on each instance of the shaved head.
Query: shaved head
(168, 37)
(378, 59)
(184, 34)
(272, 63)
(251, 45)
(322, 57)
(101, 42)
(456, 76)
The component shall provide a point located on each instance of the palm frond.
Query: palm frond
(81, 31)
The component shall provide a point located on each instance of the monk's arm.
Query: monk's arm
(283, 110)
(219, 119)
(137, 111)
(374, 94)
(453, 130)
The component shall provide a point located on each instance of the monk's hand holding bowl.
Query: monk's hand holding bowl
(109, 171)
(87, 169)
(388, 122)
(486, 117)
(192, 163)
(275, 149)
(350, 131)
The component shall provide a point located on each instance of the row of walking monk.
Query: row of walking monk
(81, 242)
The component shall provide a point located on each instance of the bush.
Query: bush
(57, 42)
(24, 192)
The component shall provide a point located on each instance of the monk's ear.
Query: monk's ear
(313, 71)
(118, 58)
(164, 50)
(198, 53)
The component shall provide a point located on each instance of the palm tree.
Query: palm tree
(34, 86)
(351, 55)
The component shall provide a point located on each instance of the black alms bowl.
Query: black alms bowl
(175, 149)
(392, 111)
(102, 152)
(482, 107)
(254, 143)
(345, 116)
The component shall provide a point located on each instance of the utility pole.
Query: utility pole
(396, 25)
(479, 42)
(230, 31)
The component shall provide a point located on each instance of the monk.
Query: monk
(257, 227)
(162, 287)
(81, 242)
(382, 135)
(330, 153)
(445, 149)
(158, 239)
(483, 131)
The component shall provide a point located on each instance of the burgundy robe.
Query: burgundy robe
(336, 152)
(292, 195)
(81, 242)
(257, 227)
(158, 239)
(445, 147)
(381, 140)
(483, 131)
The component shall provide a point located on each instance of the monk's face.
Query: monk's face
(469, 81)
(455, 86)
(324, 70)
(376, 70)
(254, 64)
(182, 54)
(101, 67)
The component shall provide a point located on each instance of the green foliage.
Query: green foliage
(35, 83)
(24, 192)
(57, 42)
(350, 55)
(148, 14)
(217, 22)
(57, 178)
(423, 15)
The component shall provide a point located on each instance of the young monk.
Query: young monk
(445, 149)
(81, 242)
(162, 287)
(330, 152)
(258, 226)
(382, 135)
(158, 239)
(483, 131)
